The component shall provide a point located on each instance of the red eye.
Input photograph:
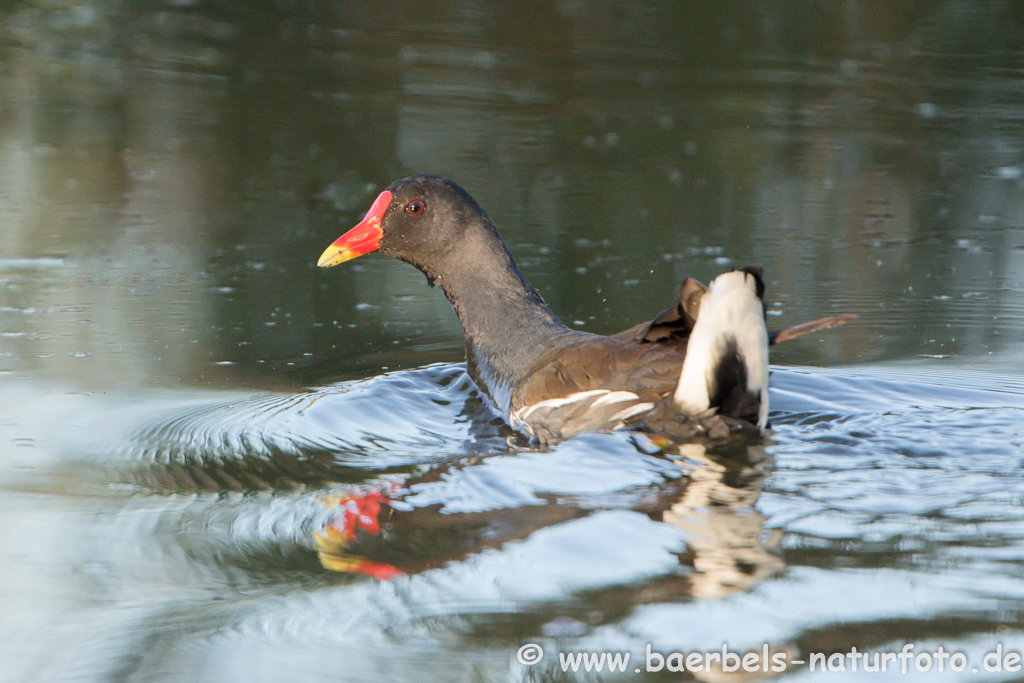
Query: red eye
(415, 207)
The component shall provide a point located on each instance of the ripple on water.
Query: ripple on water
(901, 469)
(898, 486)
(336, 433)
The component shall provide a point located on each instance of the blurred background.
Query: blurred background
(186, 400)
(170, 171)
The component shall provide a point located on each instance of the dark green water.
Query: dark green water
(187, 403)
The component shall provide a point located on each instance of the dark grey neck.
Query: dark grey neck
(507, 326)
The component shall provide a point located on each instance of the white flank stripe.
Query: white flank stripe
(616, 397)
(525, 411)
(632, 410)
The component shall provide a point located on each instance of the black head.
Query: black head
(428, 218)
(421, 220)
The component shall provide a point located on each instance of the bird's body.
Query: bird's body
(548, 380)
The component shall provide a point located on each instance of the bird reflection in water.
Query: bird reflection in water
(727, 543)
(400, 527)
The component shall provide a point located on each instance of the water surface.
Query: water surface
(195, 422)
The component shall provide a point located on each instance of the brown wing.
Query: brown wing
(596, 384)
(646, 359)
(676, 321)
(609, 363)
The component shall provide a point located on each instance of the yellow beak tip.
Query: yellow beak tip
(333, 256)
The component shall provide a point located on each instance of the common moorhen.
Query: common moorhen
(702, 365)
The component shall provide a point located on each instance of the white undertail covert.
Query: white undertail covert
(731, 317)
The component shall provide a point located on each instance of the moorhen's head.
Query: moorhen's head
(420, 220)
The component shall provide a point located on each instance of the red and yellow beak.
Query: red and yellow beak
(361, 239)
